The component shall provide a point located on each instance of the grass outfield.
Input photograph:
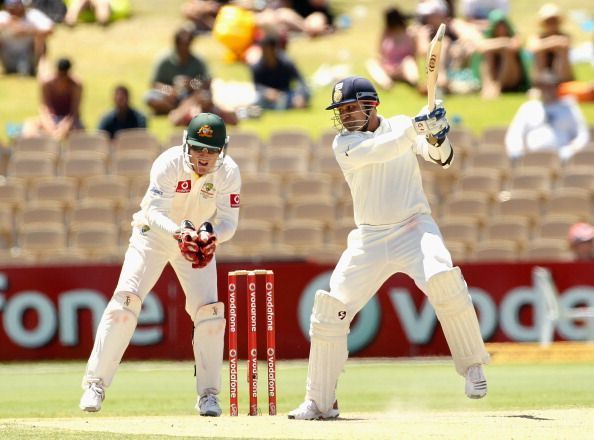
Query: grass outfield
(378, 398)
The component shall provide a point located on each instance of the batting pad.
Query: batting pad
(208, 346)
(113, 336)
(448, 293)
(328, 351)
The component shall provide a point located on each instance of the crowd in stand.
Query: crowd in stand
(482, 53)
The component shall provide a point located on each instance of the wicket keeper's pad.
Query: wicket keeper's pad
(448, 294)
(113, 336)
(208, 346)
(328, 330)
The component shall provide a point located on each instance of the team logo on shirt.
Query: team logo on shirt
(205, 131)
(208, 190)
(183, 186)
(234, 200)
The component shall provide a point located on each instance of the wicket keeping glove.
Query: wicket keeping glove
(198, 247)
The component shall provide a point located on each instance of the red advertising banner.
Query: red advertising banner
(52, 312)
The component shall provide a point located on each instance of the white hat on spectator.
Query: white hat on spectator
(430, 7)
(549, 10)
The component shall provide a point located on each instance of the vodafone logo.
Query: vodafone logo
(184, 186)
(234, 200)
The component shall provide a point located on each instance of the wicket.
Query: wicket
(252, 340)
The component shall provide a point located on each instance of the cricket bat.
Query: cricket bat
(432, 65)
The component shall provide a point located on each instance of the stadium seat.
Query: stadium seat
(85, 141)
(579, 176)
(302, 235)
(112, 188)
(490, 159)
(297, 139)
(39, 238)
(95, 238)
(466, 203)
(39, 144)
(29, 165)
(548, 161)
(531, 178)
(285, 161)
(494, 135)
(458, 250)
(496, 251)
(244, 141)
(314, 207)
(252, 234)
(138, 187)
(483, 180)
(581, 158)
(41, 212)
(271, 209)
(519, 202)
(132, 164)
(340, 230)
(309, 185)
(326, 163)
(83, 164)
(547, 249)
(460, 229)
(174, 139)
(6, 228)
(555, 226)
(511, 227)
(325, 141)
(93, 211)
(13, 192)
(570, 201)
(247, 160)
(260, 186)
(56, 188)
(328, 253)
(17, 257)
(136, 139)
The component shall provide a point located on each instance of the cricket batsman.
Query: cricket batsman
(191, 205)
(395, 233)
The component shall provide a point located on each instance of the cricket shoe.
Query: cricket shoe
(476, 383)
(308, 410)
(208, 405)
(92, 398)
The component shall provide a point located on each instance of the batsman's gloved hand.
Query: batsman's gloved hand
(432, 124)
(196, 246)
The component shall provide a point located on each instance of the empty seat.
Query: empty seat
(83, 164)
(462, 139)
(570, 201)
(44, 212)
(579, 176)
(340, 230)
(244, 141)
(247, 161)
(460, 229)
(511, 227)
(322, 208)
(271, 209)
(38, 144)
(85, 141)
(57, 188)
(556, 225)
(302, 235)
(496, 250)
(132, 164)
(112, 188)
(547, 249)
(174, 139)
(285, 161)
(325, 253)
(136, 139)
(95, 239)
(325, 141)
(13, 192)
(6, 228)
(309, 185)
(481, 180)
(93, 211)
(494, 135)
(458, 250)
(40, 238)
(326, 164)
(490, 159)
(138, 187)
(530, 178)
(581, 158)
(297, 139)
(525, 203)
(259, 186)
(29, 165)
(16, 257)
(466, 203)
(253, 233)
(547, 161)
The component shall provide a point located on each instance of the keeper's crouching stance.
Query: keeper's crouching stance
(395, 233)
(194, 183)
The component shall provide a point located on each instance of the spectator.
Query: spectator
(54, 9)
(101, 11)
(500, 58)
(477, 11)
(274, 75)
(317, 15)
(173, 73)
(547, 122)
(397, 52)
(310, 17)
(581, 241)
(458, 44)
(60, 107)
(200, 101)
(202, 13)
(23, 37)
(122, 116)
(550, 47)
